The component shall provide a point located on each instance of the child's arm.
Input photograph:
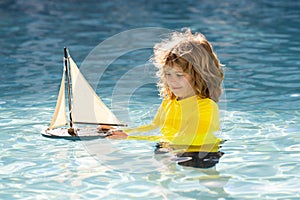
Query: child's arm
(123, 134)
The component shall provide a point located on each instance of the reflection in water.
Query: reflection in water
(204, 156)
(200, 159)
(198, 183)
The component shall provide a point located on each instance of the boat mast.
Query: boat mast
(71, 130)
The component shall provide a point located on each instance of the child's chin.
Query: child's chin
(177, 93)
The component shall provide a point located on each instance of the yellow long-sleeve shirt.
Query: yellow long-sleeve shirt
(188, 122)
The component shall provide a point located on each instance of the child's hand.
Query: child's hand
(105, 128)
(117, 134)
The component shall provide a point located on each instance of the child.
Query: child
(190, 78)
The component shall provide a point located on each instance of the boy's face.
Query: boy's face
(179, 82)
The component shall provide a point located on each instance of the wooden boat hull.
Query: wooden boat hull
(81, 134)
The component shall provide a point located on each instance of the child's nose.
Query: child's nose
(173, 78)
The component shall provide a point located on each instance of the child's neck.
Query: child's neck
(181, 98)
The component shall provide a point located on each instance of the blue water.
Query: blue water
(259, 43)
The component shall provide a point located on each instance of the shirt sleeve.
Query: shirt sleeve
(153, 138)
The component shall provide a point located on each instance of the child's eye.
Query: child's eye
(179, 74)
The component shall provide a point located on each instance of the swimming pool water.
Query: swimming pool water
(258, 41)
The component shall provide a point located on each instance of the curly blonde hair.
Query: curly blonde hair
(195, 56)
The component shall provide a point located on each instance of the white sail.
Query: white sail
(87, 107)
(59, 117)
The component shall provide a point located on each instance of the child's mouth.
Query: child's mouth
(176, 88)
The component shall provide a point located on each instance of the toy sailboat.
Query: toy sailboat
(85, 107)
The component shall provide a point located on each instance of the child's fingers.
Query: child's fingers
(117, 134)
(105, 127)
